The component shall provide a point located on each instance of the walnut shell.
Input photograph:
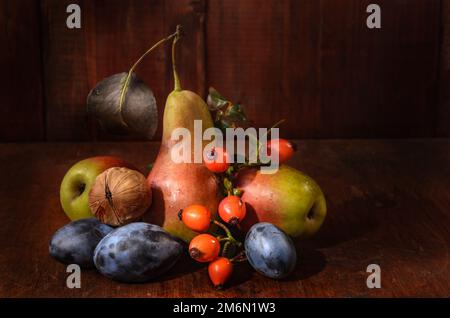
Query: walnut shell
(119, 196)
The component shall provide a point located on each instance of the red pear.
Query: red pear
(178, 185)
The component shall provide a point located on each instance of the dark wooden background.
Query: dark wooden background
(312, 62)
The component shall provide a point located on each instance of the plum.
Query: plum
(137, 252)
(75, 242)
(270, 251)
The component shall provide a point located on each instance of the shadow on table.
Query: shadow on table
(185, 265)
(309, 263)
(353, 219)
(242, 272)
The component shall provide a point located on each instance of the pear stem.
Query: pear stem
(130, 72)
(177, 84)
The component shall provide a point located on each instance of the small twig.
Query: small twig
(226, 248)
(230, 237)
(241, 257)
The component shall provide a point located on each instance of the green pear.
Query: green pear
(289, 199)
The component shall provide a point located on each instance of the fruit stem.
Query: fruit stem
(258, 149)
(130, 72)
(229, 237)
(226, 248)
(241, 257)
(223, 227)
(177, 85)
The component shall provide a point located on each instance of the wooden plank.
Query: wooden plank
(66, 64)
(21, 84)
(266, 55)
(191, 50)
(114, 35)
(387, 204)
(443, 114)
(318, 65)
(379, 82)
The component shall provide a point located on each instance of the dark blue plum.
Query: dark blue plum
(75, 242)
(270, 251)
(137, 252)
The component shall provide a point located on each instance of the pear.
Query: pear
(289, 199)
(178, 185)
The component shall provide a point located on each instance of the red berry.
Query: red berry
(216, 160)
(196, 217)
(204, 248)
(284, 148)
(232, 210)
(220, 271)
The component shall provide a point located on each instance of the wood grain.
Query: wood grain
(265, 54)
(403, 55)
(113, 36)
(443, 113)
(387, 200)
(318, 65)
(66, 72)
(314, 63)
(22, 112)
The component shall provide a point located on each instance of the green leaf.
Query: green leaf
(230, 170)
(227, 184)
(235, 117)
(237, 192)
(223, 124)
(228, 115)
(215, 101)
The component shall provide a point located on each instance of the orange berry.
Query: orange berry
(283, 147)
(196, 217)
(204, 248)
(216, 160)
(232, 210)
(220, 271)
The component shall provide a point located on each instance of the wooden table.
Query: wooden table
(388, 201)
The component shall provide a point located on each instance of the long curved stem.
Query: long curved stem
(130, 72)
(177, 85)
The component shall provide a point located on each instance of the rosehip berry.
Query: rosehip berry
(196, 217)
(216, 160)
(284, 148)
(204, 248)
(232, 210)
(220, 271)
